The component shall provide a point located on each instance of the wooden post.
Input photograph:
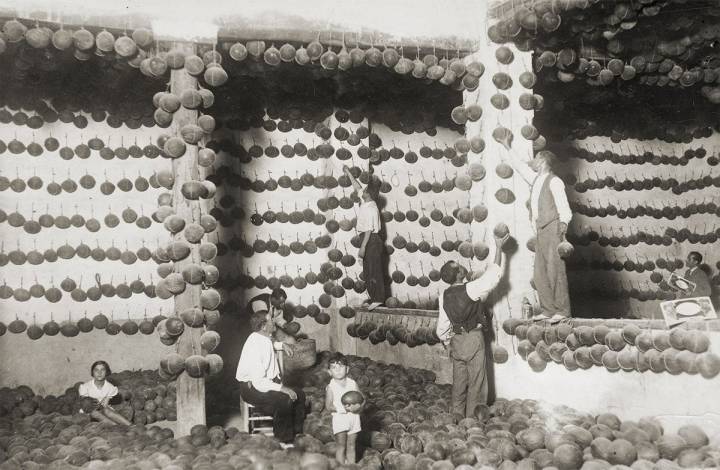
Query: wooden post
(190, 391)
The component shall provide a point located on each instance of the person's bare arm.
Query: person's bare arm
(329, 400)
(480, 288)
(523, 169)
(356, 184)
(499, 242)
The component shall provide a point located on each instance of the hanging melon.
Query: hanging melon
(215, 76)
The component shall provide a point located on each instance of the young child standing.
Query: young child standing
(345, 418)
(372, 247)
(101, 390)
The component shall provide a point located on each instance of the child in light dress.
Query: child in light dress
(345, 417)
(100, 390)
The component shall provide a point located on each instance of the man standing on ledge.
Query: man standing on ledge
(550, 215)
(372, 247)
(461, 321)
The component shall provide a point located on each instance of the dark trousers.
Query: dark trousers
(374, 268)
(288, 415)
(549, 272)
(470, 384)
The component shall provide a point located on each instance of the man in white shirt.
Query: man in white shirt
(550, 215)
(372, 247)
(260, 385)
(461, 321)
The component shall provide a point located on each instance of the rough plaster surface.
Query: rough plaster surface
(88, 203)
(52, 364)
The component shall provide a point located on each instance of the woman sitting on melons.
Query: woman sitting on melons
(99, 392)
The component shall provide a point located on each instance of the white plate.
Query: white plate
(688, 309)
(682, 284)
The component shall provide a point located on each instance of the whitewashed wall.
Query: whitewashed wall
(88, 203)
(701, 223)
(397, 172)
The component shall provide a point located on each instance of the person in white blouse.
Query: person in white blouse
(372, 247)
(550, 215)
(461, 320)
(260, 382)
(101, 391)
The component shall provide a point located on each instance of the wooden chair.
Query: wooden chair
(252, 420)
(255, 422)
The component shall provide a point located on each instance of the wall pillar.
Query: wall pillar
(507, 299)
(190, 391)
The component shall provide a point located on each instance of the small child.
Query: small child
(100, 390)
(345, 418)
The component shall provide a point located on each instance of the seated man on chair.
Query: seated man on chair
(260, 383)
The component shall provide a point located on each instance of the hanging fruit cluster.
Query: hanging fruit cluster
(398, 331)
(643, 236)
(83, 150)
(629, 348)
(449, 71)
(69, 185)
(604, 291)
(167, 103)
(61, 221)
(669, 211)
(83, 251)
(392, 333)
(636, 158)
(203, 362)
(38, 54)
(52, 294)
(70, 328)
(666, 184)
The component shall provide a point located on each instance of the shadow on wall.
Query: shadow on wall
(234, 328)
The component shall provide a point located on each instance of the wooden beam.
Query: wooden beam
(190, 391)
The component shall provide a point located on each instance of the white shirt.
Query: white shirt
(557, 188)
(258, 363)
(338, 390)
(368, 219)
(479, 289)
(89, 389)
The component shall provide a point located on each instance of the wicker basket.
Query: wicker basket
(304, 357)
